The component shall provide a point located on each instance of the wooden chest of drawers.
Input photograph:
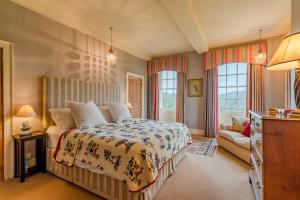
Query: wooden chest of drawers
(275, 157)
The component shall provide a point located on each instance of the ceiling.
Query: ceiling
(149, 28)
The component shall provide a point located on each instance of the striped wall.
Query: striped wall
(58, 91)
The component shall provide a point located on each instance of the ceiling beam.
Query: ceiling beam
(184, 16)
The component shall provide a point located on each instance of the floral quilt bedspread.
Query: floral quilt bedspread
(132, 151)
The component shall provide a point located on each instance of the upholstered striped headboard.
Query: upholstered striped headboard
(57, 91)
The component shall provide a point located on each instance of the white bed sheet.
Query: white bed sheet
(53, 136)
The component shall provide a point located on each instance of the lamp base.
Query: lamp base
(25, 131)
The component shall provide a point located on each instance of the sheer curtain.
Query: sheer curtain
(210, 128)
(256, 88)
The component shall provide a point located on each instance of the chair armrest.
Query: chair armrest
(227, 127)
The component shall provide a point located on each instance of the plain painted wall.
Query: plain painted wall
(275, 81)
(295, 28)
(195, 106)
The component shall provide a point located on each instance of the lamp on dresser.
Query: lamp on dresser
(287, 57)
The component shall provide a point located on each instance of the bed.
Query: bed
(125, 160)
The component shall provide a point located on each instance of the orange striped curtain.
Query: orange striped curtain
(241, 53)
(176, 63)
(171, 63)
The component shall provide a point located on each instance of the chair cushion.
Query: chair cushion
(238, 123)
(230, 135)
(236, 137)
(242, 142)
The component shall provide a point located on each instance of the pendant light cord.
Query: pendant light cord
(111, 28)
(260, 30)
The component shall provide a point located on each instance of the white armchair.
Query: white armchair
(234, 142)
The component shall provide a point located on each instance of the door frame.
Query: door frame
(143, 89)
(7, 149)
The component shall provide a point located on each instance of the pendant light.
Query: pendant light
(260, 58)
(111, 57)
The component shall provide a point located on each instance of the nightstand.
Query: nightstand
(19, 140)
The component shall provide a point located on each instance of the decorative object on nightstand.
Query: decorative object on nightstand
(19, 140)
(26, 112)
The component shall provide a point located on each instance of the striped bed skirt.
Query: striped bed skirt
(109, 187)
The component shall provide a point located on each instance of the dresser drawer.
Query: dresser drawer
(257, 188)
(256, 166)
(256, 145)
(256, 124)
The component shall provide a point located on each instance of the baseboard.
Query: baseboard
(197, 132)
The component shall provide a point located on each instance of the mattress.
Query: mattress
(53, 136)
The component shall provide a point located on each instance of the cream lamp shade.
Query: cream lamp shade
(26, 111)
(287, 55)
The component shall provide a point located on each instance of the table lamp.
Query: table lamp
(26, 112)
(287, 57)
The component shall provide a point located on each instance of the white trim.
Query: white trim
(8, 108)
(197, 132)
(143, 89)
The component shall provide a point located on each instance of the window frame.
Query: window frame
(173, 88)
(237, 86)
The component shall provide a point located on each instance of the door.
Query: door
(1, 119)
(135, 94)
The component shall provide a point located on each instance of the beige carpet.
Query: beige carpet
(197, 177)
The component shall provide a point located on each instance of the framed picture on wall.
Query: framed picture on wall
(195, 87)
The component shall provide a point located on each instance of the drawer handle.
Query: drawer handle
(258, 162)
(258, 184)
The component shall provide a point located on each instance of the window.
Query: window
(167, 89)
(232, 89)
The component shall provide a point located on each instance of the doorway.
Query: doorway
(6, 108)
(135, 94)
(1, 119)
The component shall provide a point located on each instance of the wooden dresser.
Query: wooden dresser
(275, 157)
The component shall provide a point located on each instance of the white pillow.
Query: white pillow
(105, 112)
(63, 118)
(118, 112)
(86, 115)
